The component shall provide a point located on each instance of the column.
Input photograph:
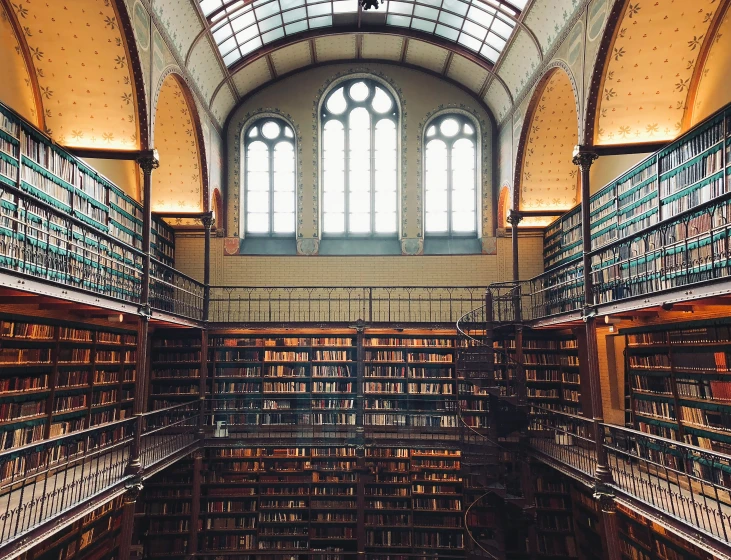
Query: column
(609, 530)
(148, 162)
(128, 520)
(207, 224)
(584, 160)
(514, 219)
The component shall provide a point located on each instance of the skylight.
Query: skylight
(239, 28)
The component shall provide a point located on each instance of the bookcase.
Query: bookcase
(36, 174)
(587, 522)
(551, 365)
(642, 539)
(175, 367)
(562, 240)
(167, 505)
(60, 377)
(690, 173)
(555, 534)
(679, 382)
(93, 537)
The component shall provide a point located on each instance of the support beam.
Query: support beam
(101, 153)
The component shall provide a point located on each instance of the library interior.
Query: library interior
(244, 315)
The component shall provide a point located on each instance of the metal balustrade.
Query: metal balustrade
(688, 483)
(175, 293)
(340, 304)
(41, 481)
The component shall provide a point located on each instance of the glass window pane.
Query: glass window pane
(283, 222)
(435, 200)
(463, 154)
(381, 101)
(257, 223)
(334, 201)
(455, 6)
(358, 91)
(469, 42)
(385, 135)
(386, 222)
(334, 181)
(360, 179)
(359, 201)
(463, 221)
(298, 27)
(333, 222)
(474, 30)
(385, 180)
(463, 201)
(294, 15)
(257, 180)
(283, 201)
(270, 130)
(426, 13)
(257, 201)
(386, 201)
(435, 222)
(423, 25)
(360, 223)
(318, 9)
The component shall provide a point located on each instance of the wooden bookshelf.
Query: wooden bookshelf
(59, 377)
(175, 367)
(555, 533)
(551, 365)
(679, 382)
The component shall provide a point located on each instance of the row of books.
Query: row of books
(704, 193)
(688, 149)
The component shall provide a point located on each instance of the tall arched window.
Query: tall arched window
(360, 160)
(451, 176)
(269, 179)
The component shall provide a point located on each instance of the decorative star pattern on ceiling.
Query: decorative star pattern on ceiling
(83, 73)
(177, 183)
(549, 179)
(651, 64)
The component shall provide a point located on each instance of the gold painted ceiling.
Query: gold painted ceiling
(549, 180)
(16, 89)
(79, 58)
(648, 77)
(177, 184)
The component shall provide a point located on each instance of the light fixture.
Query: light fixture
(119, 318)
(368, 4)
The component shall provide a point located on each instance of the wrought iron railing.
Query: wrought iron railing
(174, 292)
(45, 243)
(688, 483)
(339, 304)
(41, 481)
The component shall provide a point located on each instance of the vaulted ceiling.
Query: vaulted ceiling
(653, 67)
(76, 70)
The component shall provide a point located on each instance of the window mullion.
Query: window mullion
(449, 187)
(372, 131)
(270, 153)
(346, 174)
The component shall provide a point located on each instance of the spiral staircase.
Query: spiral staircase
(493, 455)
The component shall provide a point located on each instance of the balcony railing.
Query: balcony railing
(687, 483)
(43, 480)
(311, 304)
(45, 243)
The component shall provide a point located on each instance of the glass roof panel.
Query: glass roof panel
(481, 26)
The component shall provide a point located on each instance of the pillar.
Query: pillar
(602, 474)
(128, 519)
(148, 162)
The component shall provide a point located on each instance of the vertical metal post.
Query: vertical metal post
(148, 162)
(360, 439)
(609, 529)
(584, 160)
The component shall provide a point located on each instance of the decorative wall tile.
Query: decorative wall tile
(222, 104)
(384, 47)
(292, 57)
(549, 179)
(203, 66)
(84, 76)
(467, 73)
(336, 47)
(178, 182)
(426, 55)
(181, 22)
(547, 18)
(651, 64)
(520, 62)
(252, 76)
